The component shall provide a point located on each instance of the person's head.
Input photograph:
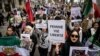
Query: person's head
(95, 25)
(44, 29)
(24, 19)
(74, 36)
(76, 26)
(28, 29)
(90, 16)
(10, 31)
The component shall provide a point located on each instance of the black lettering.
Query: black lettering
(55, 26)
(56, 35)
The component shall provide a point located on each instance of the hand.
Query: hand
(57, 49)
(33, 22)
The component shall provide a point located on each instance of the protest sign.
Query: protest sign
(26, 41)
(78, 51)
(76, 21)
(41, 25)
(25, 37)
(56, 31)
(75, 11)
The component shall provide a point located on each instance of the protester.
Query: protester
(11, 31)
(76, 26)
(12, 37)
(76, 33)
(44, 43)
(92, 30)
(24, 23)
(29, 30)
(96, 37)
(72, 41)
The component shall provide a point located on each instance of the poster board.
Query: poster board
(75, 11)
(78, 51)
(56, 31)
(41, 25)
(25, 37)
(75, 21)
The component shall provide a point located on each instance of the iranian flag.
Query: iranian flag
(96, 9)
(29, 11)
(91, 8)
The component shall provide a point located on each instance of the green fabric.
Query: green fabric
(88, 7)
(96, 42)
(9, 41)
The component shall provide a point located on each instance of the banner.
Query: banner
(56, 31)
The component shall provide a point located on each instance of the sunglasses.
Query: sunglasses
(76, 36)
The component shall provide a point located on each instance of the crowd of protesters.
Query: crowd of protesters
(19, 23)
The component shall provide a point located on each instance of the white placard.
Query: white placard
(76, 20)
(56, 31)
(25, 37)
(41, 25)
(74, 51)
(75, 11)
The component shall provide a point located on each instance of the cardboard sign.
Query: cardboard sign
(25, 37)
(75, 11)
(78, 51)
(56, 31)
(41, 25)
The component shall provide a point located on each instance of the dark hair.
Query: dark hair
(74, 31)
(97, 34)
(71, 34)
(11, 28)
(94, 24)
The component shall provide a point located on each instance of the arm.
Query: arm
(70, 26)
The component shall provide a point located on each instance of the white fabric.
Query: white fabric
(93, 31)
(23, 52)
(94, 1)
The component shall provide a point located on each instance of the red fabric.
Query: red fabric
(2, 54)
(16, 54)
(29, 11)
(97, 11)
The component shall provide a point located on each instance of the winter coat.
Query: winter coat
(66, 48)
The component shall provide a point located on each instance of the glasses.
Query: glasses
(76, 36)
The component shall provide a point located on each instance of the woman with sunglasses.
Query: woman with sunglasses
(73, 40)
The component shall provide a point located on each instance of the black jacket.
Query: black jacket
(66, 48)
(34, 37)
